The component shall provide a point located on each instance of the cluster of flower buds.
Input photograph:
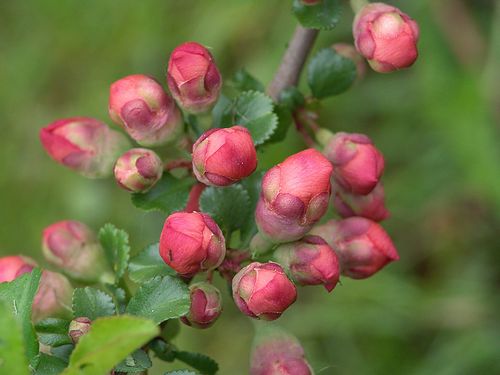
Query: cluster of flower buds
(206, 305)
(138, 170)
(386, 37)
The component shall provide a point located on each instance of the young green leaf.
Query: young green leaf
(18, 295)
(329, 73)
(244, 81)
(116, 247)
(200, 362)
(53, 332)
(160, 299)
(148, 264)
(325, 15)
(12, 358)
(109, 341)
(136, 362)
(92, 303)
(50, 365)
(168, 195)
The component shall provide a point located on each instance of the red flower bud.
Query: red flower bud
(206, 305)
(262, 290)
(139, 104)
(138, 170)
(276, 352)
(14, 266)
(386, 37)
(53, 298)
(83, 144)
(191, 242)
(362, 245)
(311, 2)
(73, 247)
(349, 52)
(310, 261)
(193, 77)
(357, 164)
(79, 327)
(295, 195)
(222, 157)
(371, 206)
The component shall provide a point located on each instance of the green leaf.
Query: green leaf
(252, 185)
(160, 299)
(168, 195)
(116, 247)
(181, 372)
(325, 15)
(135, 362)
(12, 358)
(148, 264)
(50, 365)
(292, 98)
(92, 303)
(62, 352)
(118, 295)
(244, 81)
(18, 295)
(285, 119)
(228, 206)
(109, 341)
(330, 73)
(200, 362)
(162, 349)
(253, 110)
(53, 332)
(220, 113)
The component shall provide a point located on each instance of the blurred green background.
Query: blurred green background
(434, 312)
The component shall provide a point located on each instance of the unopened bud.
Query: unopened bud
(14, 266)
(79, 327)
(311, 2)
(294, 196)
(139, 104)
(138, 170)
(262, 290)
(349, 52)
(73, 247)
(386, 37)
(193, 77)
(371, 206)
(310, 261)
(84, 144)
(191, 242)
(222, 157)
(357, 163)
(53, 299)
(363, 246)
(206, 305)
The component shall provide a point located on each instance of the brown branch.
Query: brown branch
(293, 61)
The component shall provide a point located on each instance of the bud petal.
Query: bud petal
(193, 77)
(362, 245)
(83, 144)
(222, 157)
(262, 290)
(357, 163)
(349, 52)
(294, 196)
(371, 206)
(14, 266)
(79, 327)
(138, 170)
(310, 261)
(386, 36)
(73, 247)
(191, 242)
(53, 298)
(139, 104)
(206, 305)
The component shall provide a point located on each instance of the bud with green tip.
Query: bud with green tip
(79, 327)
(206, 305)
(138, 170)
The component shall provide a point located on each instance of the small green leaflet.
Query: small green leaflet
(116, 247)
(325, 15)
(148, 264)
(92, 303)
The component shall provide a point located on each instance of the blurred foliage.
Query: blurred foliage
(435, 311)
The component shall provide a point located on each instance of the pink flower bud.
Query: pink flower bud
(386, 37)
(357, 164)
(311, 2)
(53, 298)
(371, 206)
(79, 327)
(262, 290)
(14, 266)
(73, 247)
(84, 144)
(362, 245)
(206, 305)
(138, 170)
(349, 52)
(139, 104)
(276, 352)
(193, 77)
(295, 195)
(310, 261)
(191, 242)
(222, 157)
